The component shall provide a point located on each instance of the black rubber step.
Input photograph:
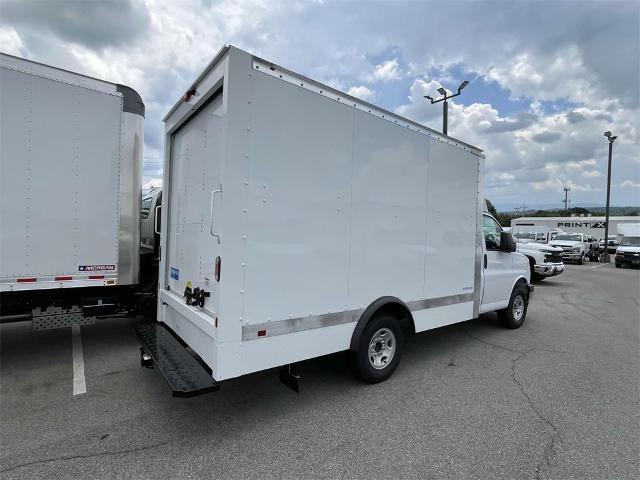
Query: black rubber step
(184, 374)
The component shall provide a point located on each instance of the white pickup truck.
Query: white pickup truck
(544, 260)
(575, 246)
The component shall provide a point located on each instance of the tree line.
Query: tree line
(504, 218)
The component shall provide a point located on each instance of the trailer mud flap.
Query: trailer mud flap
(184, 374)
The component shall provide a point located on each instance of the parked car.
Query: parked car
(575, 246)
(612, 244)
(628, 252)
(544, 260)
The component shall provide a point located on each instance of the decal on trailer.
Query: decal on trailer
(175, 273)
(97, 268)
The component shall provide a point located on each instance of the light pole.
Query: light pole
(445, 105)
(605, 257)
(566, 197)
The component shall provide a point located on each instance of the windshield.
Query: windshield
(571, 237)
(630, 242)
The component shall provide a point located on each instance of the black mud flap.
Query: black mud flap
(290, 377)
(184, 374)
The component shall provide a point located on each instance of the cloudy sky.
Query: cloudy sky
(547, 78)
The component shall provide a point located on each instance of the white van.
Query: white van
(299, 221)
(628, 251)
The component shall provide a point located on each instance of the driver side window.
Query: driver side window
(491, 231)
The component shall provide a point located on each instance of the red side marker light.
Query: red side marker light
(96, 277)
(189, 94)
(63, 277)
(27, 280)
(262, 333)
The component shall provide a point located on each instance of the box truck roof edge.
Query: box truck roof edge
(325, 90)
(132, 101)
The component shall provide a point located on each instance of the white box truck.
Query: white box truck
(299, 221)
(70, 191)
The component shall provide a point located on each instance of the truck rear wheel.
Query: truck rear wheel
(379, 350)
(514, 315)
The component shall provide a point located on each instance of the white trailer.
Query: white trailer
(70, 188)
(299, 221)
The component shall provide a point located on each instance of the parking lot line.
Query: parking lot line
(601, 265)
(79, 384)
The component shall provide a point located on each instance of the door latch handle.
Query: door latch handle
(218, 190)
(485, 260)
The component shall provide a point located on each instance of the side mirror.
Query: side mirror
(506, 242)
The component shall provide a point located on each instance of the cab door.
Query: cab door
(497, 268)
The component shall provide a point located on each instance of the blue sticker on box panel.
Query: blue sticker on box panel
(175, 273)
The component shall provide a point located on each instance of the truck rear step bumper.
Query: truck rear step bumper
(184, 374)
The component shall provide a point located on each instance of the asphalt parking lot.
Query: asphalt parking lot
(558, 398)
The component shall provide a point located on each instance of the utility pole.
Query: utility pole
(566, 197)
(445, 105)
(605, 257)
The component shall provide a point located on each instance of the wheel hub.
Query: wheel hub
(382, 348)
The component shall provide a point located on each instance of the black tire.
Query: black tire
(618, 265)
(508, 316)
(581, 261)
(360, 359)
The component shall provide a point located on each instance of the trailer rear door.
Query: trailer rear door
(195, 198)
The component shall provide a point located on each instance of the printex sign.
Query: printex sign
(582, 224)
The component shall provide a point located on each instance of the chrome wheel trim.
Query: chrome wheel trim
(518, 308)
(382, 348)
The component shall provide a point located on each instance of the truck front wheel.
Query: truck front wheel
(379, 349)
(514, 315)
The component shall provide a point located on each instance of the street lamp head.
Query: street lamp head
(428, 97)
(607, 134)
(442, 91)
(462, 85)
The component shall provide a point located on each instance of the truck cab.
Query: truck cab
(503, 268)
(575, 246)
(544, 260)
(628, 252)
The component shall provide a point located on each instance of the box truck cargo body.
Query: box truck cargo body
(70, 187)
(293, 214)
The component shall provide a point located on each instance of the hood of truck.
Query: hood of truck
(565, 243)
(538, 247)
(629, 249)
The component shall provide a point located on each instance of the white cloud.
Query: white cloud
(362, 93)
(565, 56)
(536, 152)
(11, 41)
(387, 71)
(630, 184)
